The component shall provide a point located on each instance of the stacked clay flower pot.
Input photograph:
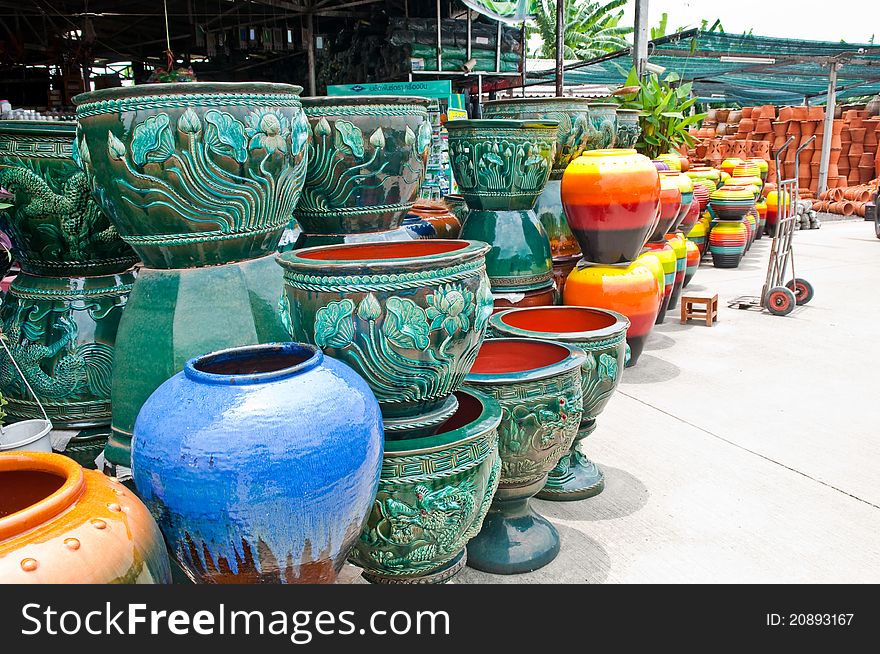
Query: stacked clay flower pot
(501, 167)
(538, 385)
(571, 140)
(410, 318)
(366, 161)
(612, 199)
(61, 524)
(61, 314)
(276, 487)
(602, 335)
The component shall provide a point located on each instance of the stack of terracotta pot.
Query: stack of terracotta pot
(849, 201)
(859, 143)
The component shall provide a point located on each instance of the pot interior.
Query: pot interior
(499, 356)
(252, 361)
(469, 409)
(383, 251)
(20, 489)
(559, 320)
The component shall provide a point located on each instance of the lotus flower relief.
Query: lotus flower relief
(269, 130)
(334, 326)
(406, 324)
(451, 308)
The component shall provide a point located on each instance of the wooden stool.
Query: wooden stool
(708, 312)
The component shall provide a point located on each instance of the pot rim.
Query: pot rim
(314, 356)
(500, 123)
(43, 510)
(65, 128)
(516, 101)
(489, 418)
(618, 327)
(188, 88)
(574, 360)
(294, 260)
(361, 100)
(602, 105)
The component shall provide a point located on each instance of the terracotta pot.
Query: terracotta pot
(746, 113)
(435, 221)
(611, 200)
(538, 384)
(800, 113)
(793, 128)
(866, 174)
(408, 316)
(857, 135)
(538, 298)
(808, 128)
(815, 113)
(61, 524)
(734, 116)
(720, 115)
(601, 334)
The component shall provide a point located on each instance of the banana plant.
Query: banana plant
(664, 105)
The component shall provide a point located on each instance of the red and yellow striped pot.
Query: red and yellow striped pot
(664, 252)
(693, 261)
(677, 241)
(727, 243)
(611, 200)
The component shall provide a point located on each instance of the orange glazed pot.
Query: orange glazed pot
(611, 199)
(632, 290)
(61, 524)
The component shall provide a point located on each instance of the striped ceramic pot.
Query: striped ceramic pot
(634, 290)
(693, 261)
(727, 243)
(698, 236)
(666, 255)
(612, 201)
(677, 241)
(670, 205)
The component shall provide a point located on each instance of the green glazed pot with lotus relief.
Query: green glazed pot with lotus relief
(367, 159)
(408, 316)
(603, 126)
(55, 226)
(538, 385)
(601, 334)
(433, 495)
(195, 174)
(628, 128)
(501, 165)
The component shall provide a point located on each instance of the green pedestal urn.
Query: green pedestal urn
(200, 179)
(433, 495)
(408, 316)
(538, 385)
(628, 128)
(572, 114)
(501, 167)
(367, 159)
(61, 314)
(602, 336)
(603, 126)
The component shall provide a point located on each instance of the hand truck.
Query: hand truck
(778, 298)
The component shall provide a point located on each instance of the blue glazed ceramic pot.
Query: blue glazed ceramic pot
(260, 463)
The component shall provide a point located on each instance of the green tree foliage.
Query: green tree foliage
(664, 105)
(661, 30)
(591, 28)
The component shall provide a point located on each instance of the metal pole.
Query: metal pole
(828, 134)
(640, 37)
(439, 44)
(523, 59)
(498, 48)
(560, 45)
(310, 27)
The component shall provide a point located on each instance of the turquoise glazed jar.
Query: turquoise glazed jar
(201, 179)
(434, 493)
(501, 167)
(572, 114)
(367, 158)
(61, 313)
(260, 463)
(538, 385)
(603, 126)
(602, 335)
(408, 316)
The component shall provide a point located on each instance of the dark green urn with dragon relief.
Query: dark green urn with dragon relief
(601, 334)
(408, 316)
(433, 495)
(628, 128)
(201, 180)
(603, 126)
(61, 313)
(501, 167)
(538, 385)
(367, 158)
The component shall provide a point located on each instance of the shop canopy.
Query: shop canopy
(743, 68)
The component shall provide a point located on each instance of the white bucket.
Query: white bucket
(27, 435)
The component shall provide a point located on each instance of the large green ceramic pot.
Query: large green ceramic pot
(408, 316)
(628, 128)
(367, 158)
(572, 114)
(61, 314)
(538, 384)
(603, 126)
(602, 335)
(62, 332)
(501, 167)
(196, 174)
(433, 495)
(175, 315)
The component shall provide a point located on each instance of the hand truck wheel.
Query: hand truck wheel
(780, 301)
(802, 289)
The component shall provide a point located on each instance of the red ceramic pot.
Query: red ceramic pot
(537, 298)
(632, 290)
(611, 200)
